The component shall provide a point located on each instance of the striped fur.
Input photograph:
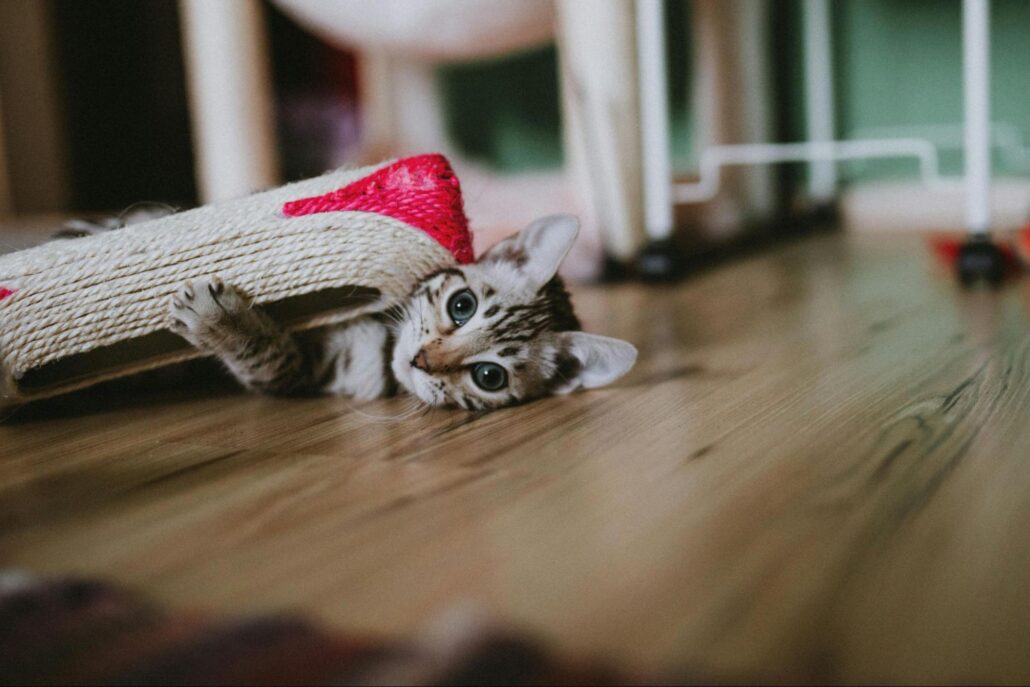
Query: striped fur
(523, 322)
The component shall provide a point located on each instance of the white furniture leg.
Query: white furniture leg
(401, 109)
(654, 120)
(819, 105)
(602, 124)
(417, 108)
(230, 97)
(976, 91)
(375, 83)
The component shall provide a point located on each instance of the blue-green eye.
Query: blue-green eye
(462, 306)
(489, 376)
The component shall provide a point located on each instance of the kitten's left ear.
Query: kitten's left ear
(601, 360)
(539, 249)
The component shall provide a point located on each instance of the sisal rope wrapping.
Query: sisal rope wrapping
(73, 296)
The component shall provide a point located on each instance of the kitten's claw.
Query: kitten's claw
(201, 311)
(215, 286)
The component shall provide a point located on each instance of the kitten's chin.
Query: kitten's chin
(408, 379)
(407, 376)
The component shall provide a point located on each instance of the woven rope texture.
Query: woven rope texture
(72, 296)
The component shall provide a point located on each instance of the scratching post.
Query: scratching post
(316, 252)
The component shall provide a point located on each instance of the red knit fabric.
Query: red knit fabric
(421, 191)
(5, 292)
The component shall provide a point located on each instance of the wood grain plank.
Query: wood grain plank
(815, 473)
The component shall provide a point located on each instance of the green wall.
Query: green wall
(899, 62)
(506, 112)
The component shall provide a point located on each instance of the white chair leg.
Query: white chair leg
(402, 112)
(418, 109)
(976, 43)
(602, 123)
(378, 128)
(230, 97)
(654, 120)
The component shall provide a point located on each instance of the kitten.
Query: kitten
(495, 333)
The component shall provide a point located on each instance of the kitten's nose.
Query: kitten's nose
(421, 360)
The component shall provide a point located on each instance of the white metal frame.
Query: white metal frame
(822, 151)
(1006, 138)
(714, 158)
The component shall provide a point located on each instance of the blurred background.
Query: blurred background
(110, 102)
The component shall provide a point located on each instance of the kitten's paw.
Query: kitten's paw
(203, 311)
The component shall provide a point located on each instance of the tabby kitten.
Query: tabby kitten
(481, 336)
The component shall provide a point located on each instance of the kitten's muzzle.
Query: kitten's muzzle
(421, 360)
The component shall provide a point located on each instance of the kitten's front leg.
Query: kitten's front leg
(217, 319)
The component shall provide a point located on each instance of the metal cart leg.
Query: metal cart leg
(979, 259)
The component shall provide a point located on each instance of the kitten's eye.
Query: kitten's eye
(489, 376)
(462, 306)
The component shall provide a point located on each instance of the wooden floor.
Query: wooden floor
(818, 471)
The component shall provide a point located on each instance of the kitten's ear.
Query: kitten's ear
(537, 250)
(601, 360)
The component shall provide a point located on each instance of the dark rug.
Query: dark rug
(76, 631)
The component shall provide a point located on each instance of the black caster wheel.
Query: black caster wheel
(980, 261)
(823, 215)
(660, 261)
(614, 270)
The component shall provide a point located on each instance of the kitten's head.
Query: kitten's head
(502, 331)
